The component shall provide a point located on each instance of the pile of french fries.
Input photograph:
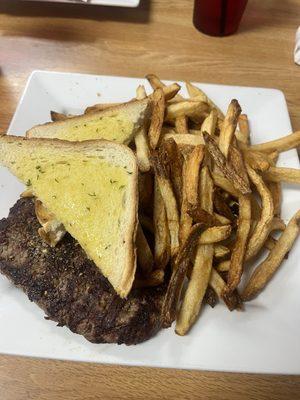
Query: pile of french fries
(209, 203)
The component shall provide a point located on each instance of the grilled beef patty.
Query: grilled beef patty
(70, 288)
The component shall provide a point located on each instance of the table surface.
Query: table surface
(156, 37)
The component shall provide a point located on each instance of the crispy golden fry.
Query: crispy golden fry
(141, 140)
(264, 272)
(194, 91)
(201, 271)
(243, 134)
(200, 215)
(162, 247)
(157, 118)
(56, 116)
(288, 175)
(229, 126)
(262, 228)
(257, 160)
(275, 189)
(145, 186)
(190, 180)
(144, 253)
(175, 162)
(283, 144)
(182, 262)
(193, 168)
(225, 184)
(186, 221)
(221, 251)
(154, 81)
(239, 249)
(155, 278)
(169, 91)
(169, 199)
(232, 300)
(196, 110)
(146, 222)
(100, 107)
(236, 159)
(210, 123)
(181, 125)
(191, 140)
(223, 266)
(226, 168)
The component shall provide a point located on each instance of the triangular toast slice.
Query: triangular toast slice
(90, 187)
(119, 124)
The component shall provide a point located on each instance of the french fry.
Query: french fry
(229, 126)
(196, 110)
(229, 172)
(155, 278)
(201, 271)
(144, 253)
(288, 175)
(190, 140)
(190, 180)
(243, 134)
(194, 91)
(169, 91)
(239, 249)
(232, 300)
(283, 144)
(162, 247)
(182, 262)
(175, 161)
(257, 160)
(275, 189)
(225, 184)
(236, 159)
(221, 251)
(262, 228)
(277, 225)
(181, 125)
(264, 272)
(169, 199)
(210, 123)
(141, 141)
(157, 118)
(154, 81)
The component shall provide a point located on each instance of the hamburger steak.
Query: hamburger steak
(70, 288)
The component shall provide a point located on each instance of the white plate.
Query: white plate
(117, 3)
(264, 338)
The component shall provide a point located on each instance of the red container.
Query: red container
(218, 17)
